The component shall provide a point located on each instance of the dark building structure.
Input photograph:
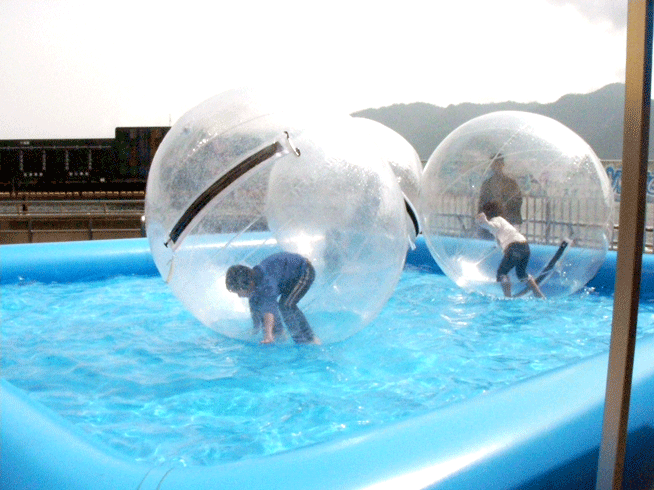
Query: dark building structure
(80, 165)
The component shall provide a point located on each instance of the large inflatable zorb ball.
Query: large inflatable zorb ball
(403, 159)
(242, 176)
(551, 186)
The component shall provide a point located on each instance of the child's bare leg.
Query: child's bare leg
(506, 286)
(534, 287)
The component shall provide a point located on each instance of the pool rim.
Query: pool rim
(504, 439)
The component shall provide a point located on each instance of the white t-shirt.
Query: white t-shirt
(504, 232)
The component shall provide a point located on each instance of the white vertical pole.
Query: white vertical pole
(630, 244)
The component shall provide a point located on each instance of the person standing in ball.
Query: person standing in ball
(503, 189)
(274, 287)
(513, 244)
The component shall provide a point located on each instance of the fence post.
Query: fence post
(630, 244)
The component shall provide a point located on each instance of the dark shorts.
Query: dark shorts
(516, 255)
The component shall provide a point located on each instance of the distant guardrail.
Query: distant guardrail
(41, 219)
(59, 220)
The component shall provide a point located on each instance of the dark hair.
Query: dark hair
(238, 278)
(492, 209)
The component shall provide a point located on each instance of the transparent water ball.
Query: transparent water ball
(244, 175)
(403, 159)
(552, 187)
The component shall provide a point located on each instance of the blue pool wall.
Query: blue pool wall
(89, 260)
(540, 433)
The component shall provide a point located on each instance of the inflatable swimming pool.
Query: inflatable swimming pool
(540, 433)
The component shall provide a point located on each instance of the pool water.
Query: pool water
(123, 360)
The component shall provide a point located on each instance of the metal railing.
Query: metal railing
(546, 220)
(59, 220)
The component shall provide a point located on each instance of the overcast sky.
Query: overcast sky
(78, 69)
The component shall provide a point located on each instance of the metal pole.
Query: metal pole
(630, 244)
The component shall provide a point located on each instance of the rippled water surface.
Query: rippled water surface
(123, 360)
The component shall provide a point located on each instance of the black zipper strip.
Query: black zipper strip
(411, 211)
(219, 186)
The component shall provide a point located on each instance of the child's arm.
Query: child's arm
(268, 325)
(481, 220)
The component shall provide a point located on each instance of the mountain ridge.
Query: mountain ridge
(597, 117)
